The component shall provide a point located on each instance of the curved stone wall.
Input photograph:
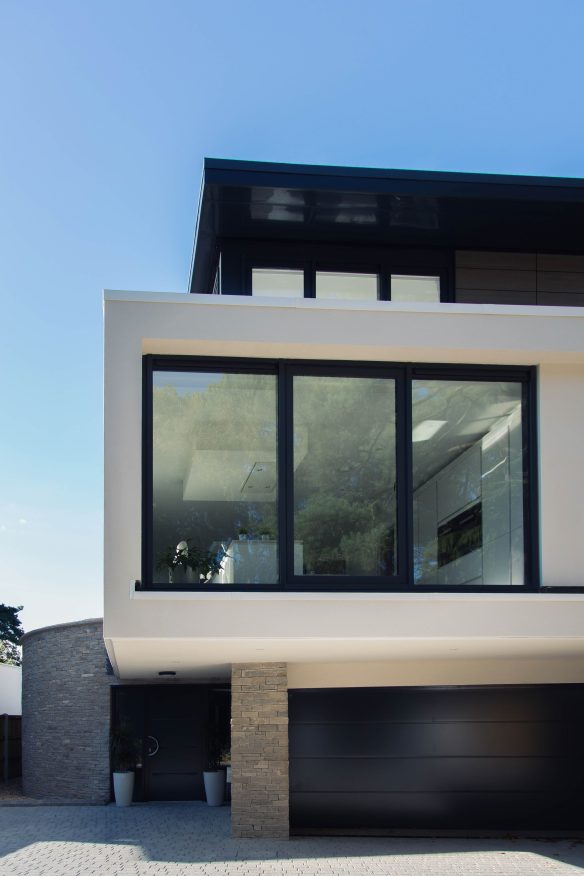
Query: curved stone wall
(66, 712)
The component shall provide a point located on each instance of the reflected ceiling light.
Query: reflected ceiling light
(426, 430)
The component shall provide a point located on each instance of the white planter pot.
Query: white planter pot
(214, 787)
(123, 788)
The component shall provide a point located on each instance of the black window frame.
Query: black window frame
(403, 374)
(239, 258)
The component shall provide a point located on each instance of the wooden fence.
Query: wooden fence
(10, 747)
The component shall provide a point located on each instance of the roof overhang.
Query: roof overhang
(256, 200)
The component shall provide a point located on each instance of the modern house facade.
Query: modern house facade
(344, 501)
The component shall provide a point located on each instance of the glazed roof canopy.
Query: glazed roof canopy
(265, 201)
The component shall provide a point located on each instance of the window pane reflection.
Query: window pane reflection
(277, 282)
(214, 479)
(344, 476)
(468, 483)
(406, 287)
(352, 287)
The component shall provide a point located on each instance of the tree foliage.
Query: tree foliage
(10, 633)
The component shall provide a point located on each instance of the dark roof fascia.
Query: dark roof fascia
(223, 174)
(221, 171)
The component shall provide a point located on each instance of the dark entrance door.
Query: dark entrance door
(176, 724)
(175, 730)
(507, 757)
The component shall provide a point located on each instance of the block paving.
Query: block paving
(191, 839)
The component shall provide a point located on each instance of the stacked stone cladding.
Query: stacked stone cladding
(259, 750)
(66, 713)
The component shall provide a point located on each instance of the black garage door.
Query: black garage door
(483, 757)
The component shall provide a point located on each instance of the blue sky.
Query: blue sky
(106, 112)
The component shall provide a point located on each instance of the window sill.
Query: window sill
(549, 594)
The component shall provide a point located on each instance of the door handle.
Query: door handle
(153, 746)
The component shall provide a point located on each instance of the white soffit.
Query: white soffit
(191, 658)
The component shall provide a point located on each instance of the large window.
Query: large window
(214, 478)
(299, 476)
(345, 473)
(468, 482)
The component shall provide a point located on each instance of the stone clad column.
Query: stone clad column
(259, 750)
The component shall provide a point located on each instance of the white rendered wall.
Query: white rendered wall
(561, 451)
(407, 673)
(307, 627)
(10, 690)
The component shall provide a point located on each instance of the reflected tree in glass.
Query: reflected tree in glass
(214, 478)
(344, 475)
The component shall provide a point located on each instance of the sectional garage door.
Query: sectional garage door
(484, 757)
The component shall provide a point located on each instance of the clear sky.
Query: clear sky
(107, 108)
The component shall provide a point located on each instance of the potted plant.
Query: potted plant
(203, 564)
(214, 776)
(124, 750)
(265, 534)
(174, 558)
(243, 533)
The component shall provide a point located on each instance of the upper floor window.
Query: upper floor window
(343, 285)
(411, 287)
(264, 474)
(335, 272)
(277, 282)
(337, 285)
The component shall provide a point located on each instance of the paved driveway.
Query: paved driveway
(190, 838)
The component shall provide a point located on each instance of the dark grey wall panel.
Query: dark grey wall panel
(519, 261)
(561, 299)
(482, 296)
(555, 262)
(496, 280)
(486, 757)
(560, 281)
(519, 278)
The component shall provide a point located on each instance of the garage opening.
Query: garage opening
(493, 758)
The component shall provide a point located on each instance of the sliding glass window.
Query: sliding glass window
(468, 483)
(345, 474)
(341, 476)
(214, 479)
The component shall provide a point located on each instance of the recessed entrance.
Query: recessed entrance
(181, 727)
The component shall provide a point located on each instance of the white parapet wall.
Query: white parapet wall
(188, 632)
